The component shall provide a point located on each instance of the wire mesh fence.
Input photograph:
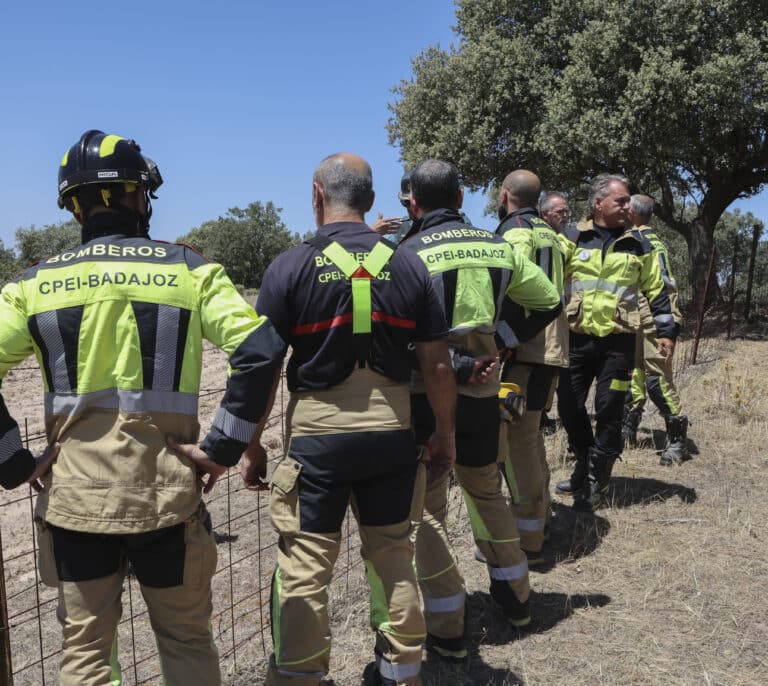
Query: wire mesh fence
(246, 558)
(246, 547)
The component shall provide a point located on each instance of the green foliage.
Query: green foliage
(33, 244)
(8, 264)
(673, 93)
(244, 241)
(734, 230)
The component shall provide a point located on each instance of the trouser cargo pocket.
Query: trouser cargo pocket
(46, 563)
(284, 499)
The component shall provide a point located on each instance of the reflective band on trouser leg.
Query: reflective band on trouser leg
(663, 395)
(116, 678)
(494, 530)
(395, 611)
(662, 390)
(637, 388)
(528, 503)
(439, 579)
(299, 605)
(400, 674)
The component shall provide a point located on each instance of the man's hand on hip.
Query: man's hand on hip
(43, 466)
(204, 464)
(666, 347)
(253, 467)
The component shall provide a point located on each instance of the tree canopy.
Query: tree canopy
(244, 241)
(34, 244)
(672, 93)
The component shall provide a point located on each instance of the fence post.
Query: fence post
(734, 267)
(757, 229)
(702, 307)
(6, 667)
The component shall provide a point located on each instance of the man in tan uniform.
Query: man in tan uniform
(533, 365)
(350, 307)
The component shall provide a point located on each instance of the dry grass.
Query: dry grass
(666, 585)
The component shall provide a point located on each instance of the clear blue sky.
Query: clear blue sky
(237, 100)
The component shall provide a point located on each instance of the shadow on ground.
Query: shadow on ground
(655, 439)
(572, 535)
(626, 491)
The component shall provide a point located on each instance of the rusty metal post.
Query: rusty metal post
(734, 267)
(702, 307)
(757, 229)
(6, 666)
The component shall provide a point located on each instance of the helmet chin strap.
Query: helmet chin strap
(144, 220)
(139, 222)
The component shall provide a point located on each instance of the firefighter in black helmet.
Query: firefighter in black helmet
(117, 325)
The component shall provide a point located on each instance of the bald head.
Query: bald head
(520, 188)
(345, 183)
(523, 187)
(640, 209)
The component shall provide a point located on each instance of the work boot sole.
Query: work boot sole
(561, 491)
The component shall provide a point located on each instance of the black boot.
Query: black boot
(629, 425)
(676, 445)
(573, 485)
(595, 486)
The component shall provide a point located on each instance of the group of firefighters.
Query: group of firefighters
(418, 349)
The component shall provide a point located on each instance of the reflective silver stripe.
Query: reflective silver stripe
(602, 285)
(517, 571)
(48, 325)
(465, 329)
(663, 318)
(447, 604)
(397, 672)
(234, 427)
(10, 444)
(530, 524)
(166, 339)
(127, 401)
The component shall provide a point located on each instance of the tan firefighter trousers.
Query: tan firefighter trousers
(524, 458)
(89, 611)
(343, 450)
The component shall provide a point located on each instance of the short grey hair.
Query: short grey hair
(599, 186)
(545, 204)
(342, 186)
(641, 205)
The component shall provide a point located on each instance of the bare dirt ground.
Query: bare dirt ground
(664, 585)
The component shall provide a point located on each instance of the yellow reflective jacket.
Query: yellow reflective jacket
(604, 278)
(662, 255)
(482, 279)
(538, 241)
(117, 326)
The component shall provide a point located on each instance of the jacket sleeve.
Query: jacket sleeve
(531, 301)
(16, 462)
(653, 287)
(662, 254)
(521, 239)
(255, 352)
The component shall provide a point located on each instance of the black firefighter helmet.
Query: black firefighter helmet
(100, 161)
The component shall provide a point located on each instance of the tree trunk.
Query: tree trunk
(700, 241)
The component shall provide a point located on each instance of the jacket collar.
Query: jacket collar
(436, 218)
(513, 218)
